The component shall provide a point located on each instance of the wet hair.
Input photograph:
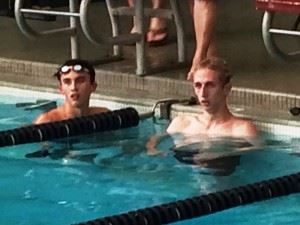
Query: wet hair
(72, 62)
(218, 65)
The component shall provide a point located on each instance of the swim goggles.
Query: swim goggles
(76, 68)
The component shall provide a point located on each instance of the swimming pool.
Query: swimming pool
(123, 178)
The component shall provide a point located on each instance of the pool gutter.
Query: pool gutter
(269, 110)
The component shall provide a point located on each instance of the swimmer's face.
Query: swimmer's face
(77, 88)
(209, 89)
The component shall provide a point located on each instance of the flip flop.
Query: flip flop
(160, 42)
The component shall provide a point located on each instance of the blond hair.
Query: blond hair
(218, 65)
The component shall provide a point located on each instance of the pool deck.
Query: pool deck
(260, 82)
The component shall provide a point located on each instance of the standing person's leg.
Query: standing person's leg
(204, 15)
(157, 33)
(131, 4)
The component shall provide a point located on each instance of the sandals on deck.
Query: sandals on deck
(150, 37)
(152, 33)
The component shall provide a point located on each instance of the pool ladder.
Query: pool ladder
(117, 39)
(165, 107)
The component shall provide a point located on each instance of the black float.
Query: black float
(205, 204)
(112, 120)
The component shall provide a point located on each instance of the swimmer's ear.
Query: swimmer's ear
(227, 88)
(60, 90)
(94, 86)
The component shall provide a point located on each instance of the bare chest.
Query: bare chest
(198, 126)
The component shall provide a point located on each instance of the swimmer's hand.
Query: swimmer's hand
(151, 147)
(155, 152)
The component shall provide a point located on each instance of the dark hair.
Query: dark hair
(72, 62)
(219, 65)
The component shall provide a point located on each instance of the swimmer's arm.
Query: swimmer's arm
(50, 116)
(255, 138)
(43, 118)
(251, 134)
(156, 139)
(96, 110)
(177, 125)
(153, 142)
(174, 127)
(250, 130)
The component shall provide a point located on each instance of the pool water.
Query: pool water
(109, 173)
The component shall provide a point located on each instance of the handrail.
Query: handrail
(88, 32)
(117, 40)
(181, 39)
(47, 12)
(268, 38)
(33, 34)
(98, 40)
(21, 22)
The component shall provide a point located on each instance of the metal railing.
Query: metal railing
(78, 14)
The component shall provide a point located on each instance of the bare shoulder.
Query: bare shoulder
(179, 123)
(244, 127)
(94, 110)
(50, 116)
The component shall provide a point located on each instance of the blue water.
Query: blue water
(123, 178)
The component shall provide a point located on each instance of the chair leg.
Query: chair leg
(73, 7)
(115, 24)
(181, 39)
(140, 45)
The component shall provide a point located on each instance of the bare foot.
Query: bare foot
(157, 33)
(133, 30)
